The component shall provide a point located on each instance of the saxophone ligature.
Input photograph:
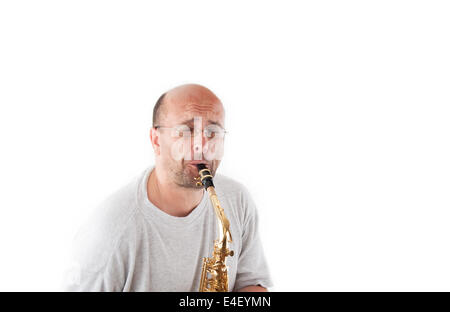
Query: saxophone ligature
(214, 277)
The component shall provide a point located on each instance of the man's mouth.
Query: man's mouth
(196, 162)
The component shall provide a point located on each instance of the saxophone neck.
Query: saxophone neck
(214, 270)
(205, 178)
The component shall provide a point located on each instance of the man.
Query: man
(152, 234)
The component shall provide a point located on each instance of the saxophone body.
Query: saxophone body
(214, 276)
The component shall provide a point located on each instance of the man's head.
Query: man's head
(181, 118)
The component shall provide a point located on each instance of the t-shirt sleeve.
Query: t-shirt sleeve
(252, 266)
(82, 279)
(98, 258)
(95, 266)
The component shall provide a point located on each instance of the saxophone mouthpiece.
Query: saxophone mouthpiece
(205, 175)
(201, 166)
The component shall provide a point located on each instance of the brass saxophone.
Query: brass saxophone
(214, 276)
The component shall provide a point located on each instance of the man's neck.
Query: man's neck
(172, 199)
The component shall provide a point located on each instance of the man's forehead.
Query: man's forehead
(188, 107)
(194, 105)
(184, 113)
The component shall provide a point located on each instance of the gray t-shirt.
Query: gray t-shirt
(131, 245)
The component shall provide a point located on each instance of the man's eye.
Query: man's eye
(183, 133)
(210, 133)
(177, 133)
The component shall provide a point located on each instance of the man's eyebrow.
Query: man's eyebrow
(187, 121)
(212, 122)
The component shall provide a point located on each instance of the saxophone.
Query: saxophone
(214, 276)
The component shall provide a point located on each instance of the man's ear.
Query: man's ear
(154, 138)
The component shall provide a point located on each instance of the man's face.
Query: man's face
(185, 124)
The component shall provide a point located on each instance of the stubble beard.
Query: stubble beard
(184, 175)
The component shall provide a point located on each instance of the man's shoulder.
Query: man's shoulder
(118, 205)
(235, 192)
(228, 185)
(234, 195)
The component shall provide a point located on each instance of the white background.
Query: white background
(338, 113)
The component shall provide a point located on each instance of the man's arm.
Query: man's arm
(252, 272)
(253, 289)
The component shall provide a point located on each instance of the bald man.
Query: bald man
(152, 234)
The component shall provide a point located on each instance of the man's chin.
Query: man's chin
(191, 185)
(189, 179)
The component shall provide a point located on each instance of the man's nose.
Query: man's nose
(198, 142)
